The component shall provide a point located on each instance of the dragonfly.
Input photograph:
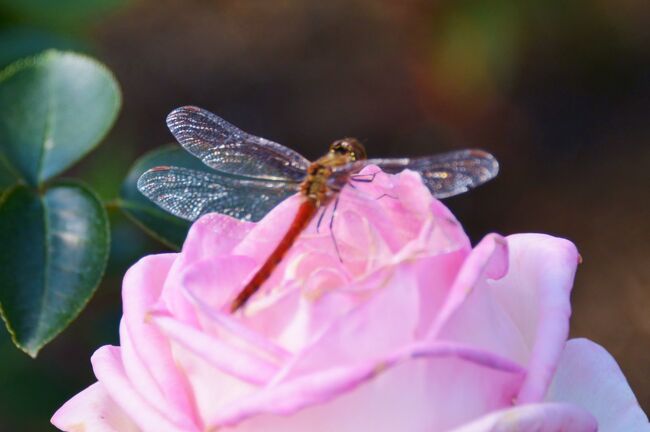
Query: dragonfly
(251, 175)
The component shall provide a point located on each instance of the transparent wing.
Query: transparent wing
(445, 174)
(189, 194)
(228, 149)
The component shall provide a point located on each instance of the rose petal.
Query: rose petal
(419, 388)
(345, 339)
(410, 331)
(487, 260)
(524, 315)
(589, 377)
(536, 295)
(266, 234)
(545, 417)
(216, 281)
(470, 314)
(143, 382)
(211, 388)
(218, 352)
(92, 410)
(207, 287)
(214, 235)
(403, 210)
(140, 291)
(435, 275)
(109, 371)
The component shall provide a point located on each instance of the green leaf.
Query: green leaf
(163, 226)
(53, 251)
(54, 108)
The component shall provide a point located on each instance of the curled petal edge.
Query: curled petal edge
(291, 396)
(542, 417)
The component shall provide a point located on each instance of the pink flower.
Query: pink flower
(411, 330)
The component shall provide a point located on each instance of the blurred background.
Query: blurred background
(558, 91)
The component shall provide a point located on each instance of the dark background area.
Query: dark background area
(558, 91)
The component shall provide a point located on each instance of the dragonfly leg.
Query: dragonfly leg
(386, 196)
(320, 218)
(368, 178)
(363, 178)
(331, 224)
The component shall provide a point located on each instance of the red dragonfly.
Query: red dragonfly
(252, 175)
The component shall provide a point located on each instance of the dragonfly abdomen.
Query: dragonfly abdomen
(305, 214)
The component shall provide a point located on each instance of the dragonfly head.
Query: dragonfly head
(350, 147)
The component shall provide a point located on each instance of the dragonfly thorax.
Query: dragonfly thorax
(314, 186)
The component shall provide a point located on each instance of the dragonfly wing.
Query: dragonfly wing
(445, 174)
(225, 148)
(188, 194)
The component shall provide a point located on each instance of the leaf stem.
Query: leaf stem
(112, 205)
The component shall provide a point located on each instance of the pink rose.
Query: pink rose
(412, 330)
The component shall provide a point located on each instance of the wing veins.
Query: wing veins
(224, 147)
(445, 174)
(189, 194)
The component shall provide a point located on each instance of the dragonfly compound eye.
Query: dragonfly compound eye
(350, 147)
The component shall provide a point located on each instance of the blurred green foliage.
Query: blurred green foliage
(62, 15)
(17, 42)
(28, 27)
(477, 45)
